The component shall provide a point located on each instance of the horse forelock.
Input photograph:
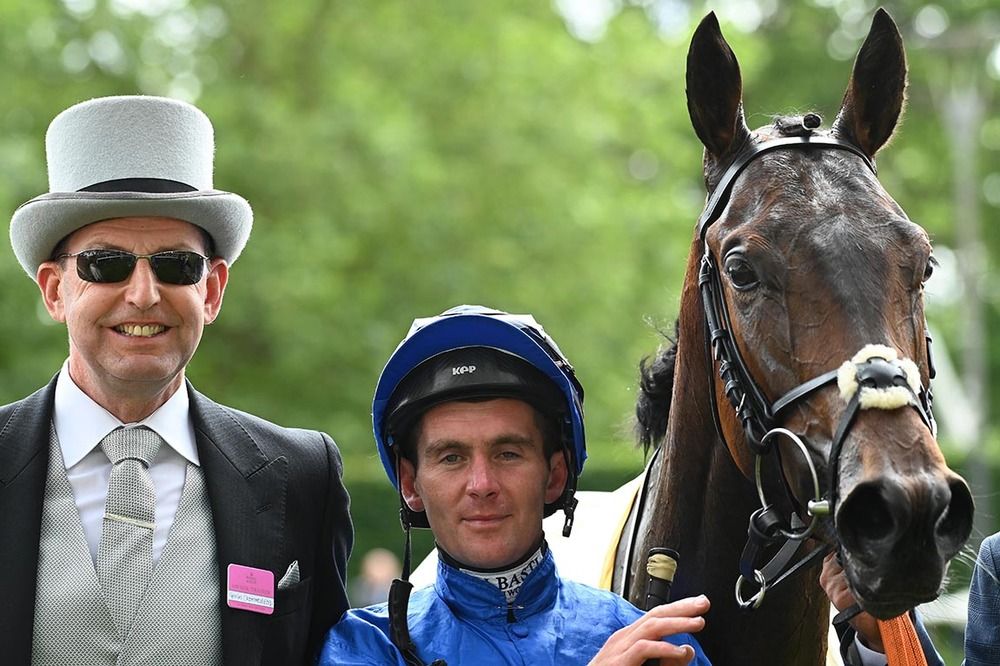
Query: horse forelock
(781, 126)
(791, 125)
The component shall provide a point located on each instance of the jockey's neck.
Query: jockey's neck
(507, 578)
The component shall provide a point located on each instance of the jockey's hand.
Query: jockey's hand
(834, 581)
(642, 640)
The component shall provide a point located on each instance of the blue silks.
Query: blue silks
(465, 620)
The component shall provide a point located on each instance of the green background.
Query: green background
(403, 157)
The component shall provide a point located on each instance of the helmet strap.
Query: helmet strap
(569, 500)
(404, 518)
(407, 552)
(399, 600)
(399, 591)
(399, 630)
(569, 509)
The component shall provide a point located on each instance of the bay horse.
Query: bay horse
(800, 260)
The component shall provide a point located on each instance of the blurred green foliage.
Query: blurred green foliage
(404, 157)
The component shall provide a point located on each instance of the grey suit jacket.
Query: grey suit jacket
(276, 496)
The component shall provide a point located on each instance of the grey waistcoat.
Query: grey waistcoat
(178, 621)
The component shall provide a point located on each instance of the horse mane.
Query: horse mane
(656, 387)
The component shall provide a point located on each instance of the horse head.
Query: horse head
(815, 262)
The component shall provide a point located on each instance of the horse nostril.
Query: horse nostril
(870, 519)
(954, 525)
(879, 516)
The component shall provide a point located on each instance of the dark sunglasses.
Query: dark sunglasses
(171, 267)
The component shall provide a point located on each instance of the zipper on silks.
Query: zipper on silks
(510, 613)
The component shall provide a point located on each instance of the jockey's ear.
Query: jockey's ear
(558, 474)
(407, 485)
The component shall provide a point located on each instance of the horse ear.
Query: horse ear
(715, 90)
(877, 90)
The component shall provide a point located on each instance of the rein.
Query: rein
(761, 419)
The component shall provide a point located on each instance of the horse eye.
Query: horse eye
(929, 268)
(740, 272)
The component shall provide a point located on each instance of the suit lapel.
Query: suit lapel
(246, 489)
(24, 436)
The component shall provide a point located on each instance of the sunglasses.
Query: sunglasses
(108, 266)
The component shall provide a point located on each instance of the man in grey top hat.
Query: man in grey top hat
(141, 522)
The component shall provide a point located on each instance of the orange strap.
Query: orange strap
(899, 637)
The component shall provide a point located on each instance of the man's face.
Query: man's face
(131, 338)
(483, 479)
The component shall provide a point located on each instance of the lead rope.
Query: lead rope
(902, 646)
(899, 637)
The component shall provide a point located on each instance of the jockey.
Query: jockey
(478, 420)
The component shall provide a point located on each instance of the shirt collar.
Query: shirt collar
(81, 423)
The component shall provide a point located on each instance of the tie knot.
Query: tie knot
(140, 444)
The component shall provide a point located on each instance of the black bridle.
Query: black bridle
(761, 419)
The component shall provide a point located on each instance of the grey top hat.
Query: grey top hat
(128, 156)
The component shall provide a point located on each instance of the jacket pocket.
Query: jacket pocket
(293, 598)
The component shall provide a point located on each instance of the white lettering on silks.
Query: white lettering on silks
(509, 582)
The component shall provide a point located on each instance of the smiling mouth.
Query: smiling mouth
(140, 330)
(484, 519)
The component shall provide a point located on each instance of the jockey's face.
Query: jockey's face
(483, 479)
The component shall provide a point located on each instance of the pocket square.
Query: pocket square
(291, 576)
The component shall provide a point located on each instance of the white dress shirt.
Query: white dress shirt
(868, 656)
(81, 424)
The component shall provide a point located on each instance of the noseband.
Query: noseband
(876, 371)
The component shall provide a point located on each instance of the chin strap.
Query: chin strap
(399, 630)
(569, 508)
(399, 596)
(399, 601)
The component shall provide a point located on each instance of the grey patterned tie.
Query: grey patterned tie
(125, 552)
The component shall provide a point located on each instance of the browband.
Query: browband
(720, 196)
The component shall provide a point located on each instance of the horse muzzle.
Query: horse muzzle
(901, 517)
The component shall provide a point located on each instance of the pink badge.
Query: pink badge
(250, 589)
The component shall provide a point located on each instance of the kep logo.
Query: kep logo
(463, 370)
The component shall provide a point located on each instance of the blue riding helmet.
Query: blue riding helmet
(511, 356)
